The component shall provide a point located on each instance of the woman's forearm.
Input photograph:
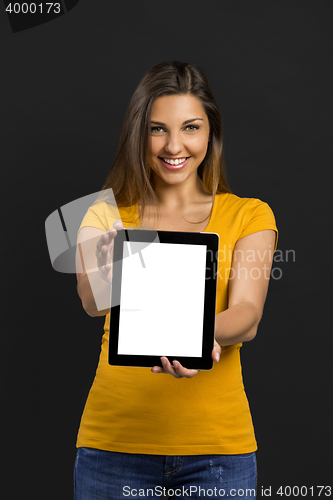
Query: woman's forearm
(237, 324)
(94, 293)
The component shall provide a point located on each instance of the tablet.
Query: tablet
(163, 298)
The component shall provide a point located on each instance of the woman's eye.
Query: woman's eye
(191, 127)
(157, 129)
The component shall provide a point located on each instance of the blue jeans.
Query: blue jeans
(105, 475)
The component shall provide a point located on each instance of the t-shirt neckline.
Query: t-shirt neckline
(206, 230)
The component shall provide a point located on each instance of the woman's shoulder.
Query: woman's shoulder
(243, 211)
(101, 215)
(243, 216)
(231, 201)
(112, 210)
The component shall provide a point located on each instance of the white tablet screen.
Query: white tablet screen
(162, 299)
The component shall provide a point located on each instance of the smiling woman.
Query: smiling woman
(178, 142)
(149, 125)
(170, 427)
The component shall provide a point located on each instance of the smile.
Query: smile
(174, 163)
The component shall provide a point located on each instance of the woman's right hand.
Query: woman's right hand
(104, 251)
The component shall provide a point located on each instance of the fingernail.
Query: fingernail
(163, 361)
(217, 357)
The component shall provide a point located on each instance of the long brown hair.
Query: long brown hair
(130, 177)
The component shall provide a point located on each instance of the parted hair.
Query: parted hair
(130, 176)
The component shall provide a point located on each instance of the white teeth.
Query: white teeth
(174, 162)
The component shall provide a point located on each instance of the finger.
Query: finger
(103, 256)
(104, 246)
(182, 371)
(175, 369)
(216, 352)
(168, 368)
(105, 269)
(104, 240)
(118, 224)
(157, 369)
(111, 234)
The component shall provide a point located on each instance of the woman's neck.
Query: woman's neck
(174, 197)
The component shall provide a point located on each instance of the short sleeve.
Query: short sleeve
(101, 215)
(259, 216)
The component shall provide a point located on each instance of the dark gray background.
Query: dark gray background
(65, 88)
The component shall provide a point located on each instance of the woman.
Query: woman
(187, 432)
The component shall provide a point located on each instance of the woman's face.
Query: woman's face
(179, 138)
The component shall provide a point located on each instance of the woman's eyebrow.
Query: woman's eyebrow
(192, 120)
(184, 123)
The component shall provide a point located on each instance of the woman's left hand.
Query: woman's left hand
(178, 371)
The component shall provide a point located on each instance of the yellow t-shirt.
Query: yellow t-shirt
(133, 410)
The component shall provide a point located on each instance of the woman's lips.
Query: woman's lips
(173, 167)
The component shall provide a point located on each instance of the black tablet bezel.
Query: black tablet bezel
(211, 240)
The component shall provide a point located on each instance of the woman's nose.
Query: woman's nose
(173, 144)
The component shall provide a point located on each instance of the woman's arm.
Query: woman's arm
(248, 285)
(94, 270)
